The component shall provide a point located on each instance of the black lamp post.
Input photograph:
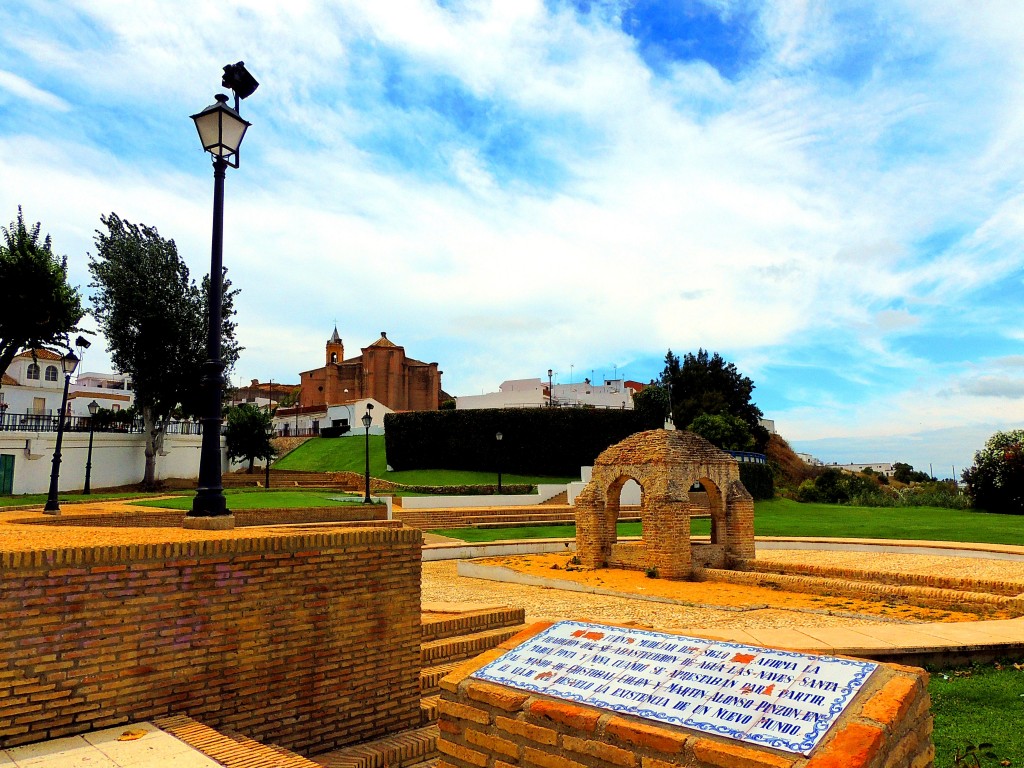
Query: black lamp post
(367, 419)
(94, 408)
(68, 363)
(221, 130)
(551, 392)
(270, 434)
(498, 437)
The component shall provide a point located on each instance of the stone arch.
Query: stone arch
(666, 465)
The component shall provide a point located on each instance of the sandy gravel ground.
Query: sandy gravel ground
(975, 568)
(441, 583)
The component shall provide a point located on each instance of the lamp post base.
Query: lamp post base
(48, 510)
(209, 523)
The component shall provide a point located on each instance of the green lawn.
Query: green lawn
(248, 499)
(979, 704)
(782, 517)
(348, 454)
(64, 498)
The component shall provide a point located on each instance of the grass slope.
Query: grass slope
(348, 454)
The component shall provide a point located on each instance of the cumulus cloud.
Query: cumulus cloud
(507, 185)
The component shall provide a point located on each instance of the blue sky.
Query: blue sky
(827, 193)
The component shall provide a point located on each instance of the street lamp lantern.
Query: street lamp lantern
(68, 363)
(221, 130)
(94, 408)
(367, 419)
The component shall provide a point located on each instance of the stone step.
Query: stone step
(430, 678)
(446, 650)
(400, 750)
(428, 709)
(464, 623)
(230, 749)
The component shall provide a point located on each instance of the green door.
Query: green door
(6, 474)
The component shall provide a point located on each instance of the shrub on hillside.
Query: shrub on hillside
(758, 480)
(836, 487)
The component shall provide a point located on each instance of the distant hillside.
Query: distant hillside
(791, 468)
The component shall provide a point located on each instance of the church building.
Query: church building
(382, 373)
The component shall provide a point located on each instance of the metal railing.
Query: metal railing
(749, 457)
(30, 422)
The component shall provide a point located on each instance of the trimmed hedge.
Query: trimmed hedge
(758, 479)
(535, 441)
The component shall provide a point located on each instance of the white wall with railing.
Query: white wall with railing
(117, 459)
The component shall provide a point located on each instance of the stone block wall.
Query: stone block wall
(630, 555)
(483, 725)
(309, 640)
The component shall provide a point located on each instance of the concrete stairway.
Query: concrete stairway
(285, 478)
(448, 639)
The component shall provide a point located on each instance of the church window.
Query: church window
(33, 371)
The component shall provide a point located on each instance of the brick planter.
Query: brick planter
(484, 725)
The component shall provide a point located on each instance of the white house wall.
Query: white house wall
(117, 459)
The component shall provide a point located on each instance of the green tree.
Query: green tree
(708, 384)
(652, 403)
(155, 320)
(724, 430)
(905, 473)
(38, 308)
(247, 435)
(996, 480)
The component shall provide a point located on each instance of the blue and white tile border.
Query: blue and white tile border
(780, 699)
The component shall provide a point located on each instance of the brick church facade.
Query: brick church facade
(382, 372)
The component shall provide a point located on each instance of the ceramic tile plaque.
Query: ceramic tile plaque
(779, 699)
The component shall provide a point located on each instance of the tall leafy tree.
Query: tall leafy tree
(704, 383)
(38, 308)
(652, 403)
(995, 482)
(247, 435)
(155, 317)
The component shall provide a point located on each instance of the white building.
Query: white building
(111, 391)
(533, 393)
(311, 420)
(33, 387)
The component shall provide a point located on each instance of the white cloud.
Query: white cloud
(763, 215)
(23, 89)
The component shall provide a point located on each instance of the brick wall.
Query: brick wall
(310, 641)
(482, 725)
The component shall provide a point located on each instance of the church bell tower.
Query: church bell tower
(335, 348)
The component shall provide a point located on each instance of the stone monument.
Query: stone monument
(668, 466)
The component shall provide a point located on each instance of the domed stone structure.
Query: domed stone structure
(666, 465)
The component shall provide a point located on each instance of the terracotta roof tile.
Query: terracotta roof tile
(39, 354)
